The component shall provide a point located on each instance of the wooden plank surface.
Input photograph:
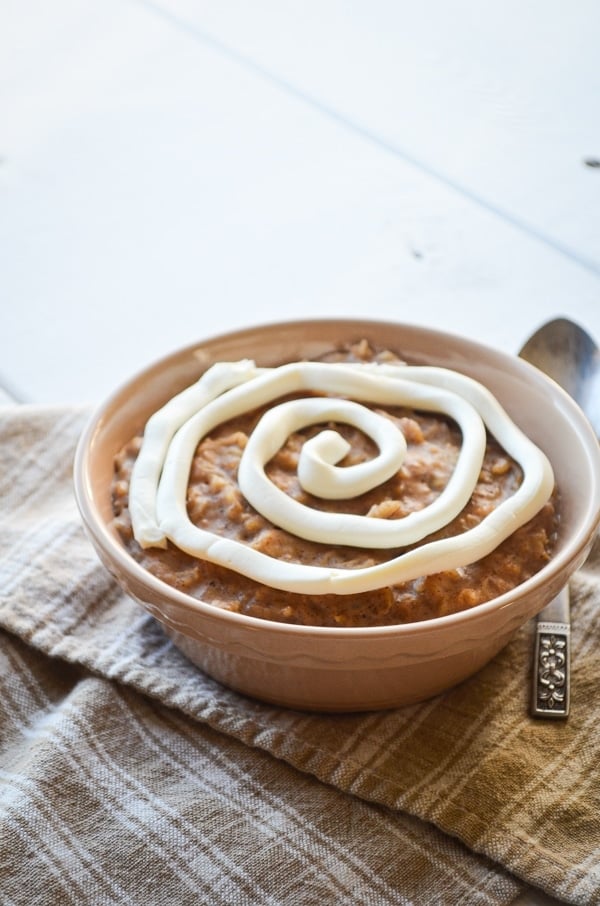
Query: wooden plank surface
(155, 189)
(501, 103)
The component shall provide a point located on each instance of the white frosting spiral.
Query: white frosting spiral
(157, 499)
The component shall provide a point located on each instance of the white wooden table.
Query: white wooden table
(173, 169)
(170, 169)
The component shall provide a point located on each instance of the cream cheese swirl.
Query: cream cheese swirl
(160, 477)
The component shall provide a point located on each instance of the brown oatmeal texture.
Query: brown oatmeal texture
(215, 503)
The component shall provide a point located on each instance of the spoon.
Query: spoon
(565, 352)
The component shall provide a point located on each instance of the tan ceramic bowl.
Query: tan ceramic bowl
(346, 669)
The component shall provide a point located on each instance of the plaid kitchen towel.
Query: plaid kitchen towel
(128, 776)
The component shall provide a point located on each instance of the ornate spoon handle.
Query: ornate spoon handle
(551, 666)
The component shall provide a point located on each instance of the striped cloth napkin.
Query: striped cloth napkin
(127, 776)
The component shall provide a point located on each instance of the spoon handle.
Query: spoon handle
(551, 666)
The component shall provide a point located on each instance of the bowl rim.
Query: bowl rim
(99, 532)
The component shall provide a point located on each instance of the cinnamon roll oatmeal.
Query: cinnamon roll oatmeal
(352, 491)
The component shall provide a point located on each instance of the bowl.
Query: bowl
(345, 669)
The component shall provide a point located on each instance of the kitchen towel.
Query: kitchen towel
(128, 776)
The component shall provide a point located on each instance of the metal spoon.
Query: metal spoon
(566, 353)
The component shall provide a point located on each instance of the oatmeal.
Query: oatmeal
(233, 505)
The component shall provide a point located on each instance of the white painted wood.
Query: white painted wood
(501, 100)
(155, 191)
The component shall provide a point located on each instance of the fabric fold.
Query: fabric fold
(107, 796)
